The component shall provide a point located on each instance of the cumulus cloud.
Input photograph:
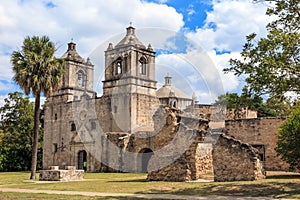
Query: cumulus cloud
(89, 23)
(92, 24)
(225, 30)
(194, 71)
(229, 22)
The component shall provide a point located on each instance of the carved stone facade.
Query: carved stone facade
(134, 128)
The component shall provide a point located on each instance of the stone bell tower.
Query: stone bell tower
(60, 120)
(79, 75)
(130, 83)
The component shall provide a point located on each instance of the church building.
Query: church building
(134, 123)
(78, 123)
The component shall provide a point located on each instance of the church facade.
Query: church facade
(78, 123)
(134, 121)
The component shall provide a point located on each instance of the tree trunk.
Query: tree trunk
(35, 136)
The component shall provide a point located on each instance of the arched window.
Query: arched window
(73, 127)
(118, 66)
(143, 66)
(175, 104)
(80, 78)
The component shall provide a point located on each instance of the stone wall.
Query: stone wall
(243, 113)
(235, 161)
(56, 174)
(185, 160)
(262, 133)
(218, 113)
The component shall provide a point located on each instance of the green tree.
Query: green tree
(16, 128)
(254, 102)
(289, 139)
(271, 65)
(36, 70)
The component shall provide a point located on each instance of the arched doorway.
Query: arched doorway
(82, 160)
(145, 157)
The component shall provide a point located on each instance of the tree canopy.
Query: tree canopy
(16, 133)
(236, 102)
(36, 70)
(271, 65)
(289, 139)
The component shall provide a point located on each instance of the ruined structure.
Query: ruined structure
(261, 133)
(133, 127)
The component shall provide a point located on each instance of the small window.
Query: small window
(142, 66)
(54, 147)
(119, 67)
(175, 104)
(55, 116)
(115, 109)
(93, 125)
(80, 79)
(73, 127)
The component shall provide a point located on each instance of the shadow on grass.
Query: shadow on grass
(287, 176)
(271, 189)
(124, 198)
(141, 180)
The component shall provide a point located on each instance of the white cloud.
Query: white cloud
(7, 86)
(227, 25)
(89, 23)
(194, 71)
(2, 100)
(225, 29)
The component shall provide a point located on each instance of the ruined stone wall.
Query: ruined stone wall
(260, 132)
(219, 113)
(203, 159)
(185, 164)
(235, 161)
(185, 154)
(243, 113)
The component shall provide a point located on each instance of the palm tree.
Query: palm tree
(36, 70)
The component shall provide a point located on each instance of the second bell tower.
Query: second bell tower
(130, 83)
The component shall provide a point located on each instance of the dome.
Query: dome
(169, 91)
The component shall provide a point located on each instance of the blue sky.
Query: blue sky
(194, 12)
(195, 38)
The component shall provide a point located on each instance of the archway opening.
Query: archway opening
(82, 161)
(146, 155)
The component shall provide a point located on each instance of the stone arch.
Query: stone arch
(81, 78)
(144, 155)
(142, 65)
(117, 66)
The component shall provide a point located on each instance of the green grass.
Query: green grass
(277, 185)
(28, 196)
(21, 196)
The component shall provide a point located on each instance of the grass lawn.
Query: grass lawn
(277, 185)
